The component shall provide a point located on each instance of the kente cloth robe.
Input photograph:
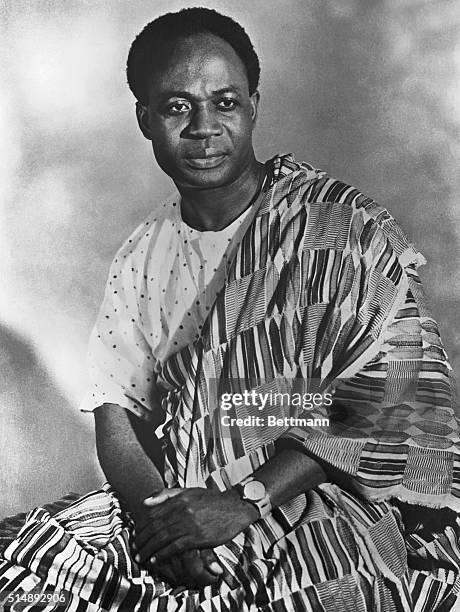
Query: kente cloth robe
(322, 296)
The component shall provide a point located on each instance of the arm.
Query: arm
(129, 465)
(200, 518)
(288, 474)
(124, 462)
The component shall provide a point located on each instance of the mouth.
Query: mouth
(204, 161)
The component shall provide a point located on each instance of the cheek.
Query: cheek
(164, 134)
(164, 156)
(242, 133)
(164, 146)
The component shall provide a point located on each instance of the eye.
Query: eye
(178, 108)
(227, 104)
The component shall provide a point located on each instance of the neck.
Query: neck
(214, 209)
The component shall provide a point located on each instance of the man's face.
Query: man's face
(200, 116)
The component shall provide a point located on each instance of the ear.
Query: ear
(142, 114)
(254, 101)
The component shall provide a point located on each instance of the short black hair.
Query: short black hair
(147, 45)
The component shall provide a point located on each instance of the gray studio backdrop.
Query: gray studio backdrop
(368, 90)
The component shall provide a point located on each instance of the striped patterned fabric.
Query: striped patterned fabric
(10, 526)
(323, 290)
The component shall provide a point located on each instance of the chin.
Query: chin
(207, 179)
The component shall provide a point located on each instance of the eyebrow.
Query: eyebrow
(186, 94)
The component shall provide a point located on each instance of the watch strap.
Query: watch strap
(263, 505)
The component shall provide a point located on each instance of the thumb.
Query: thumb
(210, 560)
(159, 498)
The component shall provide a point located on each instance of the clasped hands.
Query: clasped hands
(180, 527)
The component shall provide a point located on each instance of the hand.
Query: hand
(184, 519)
(192, 569)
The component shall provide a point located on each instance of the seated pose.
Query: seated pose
(273, 405)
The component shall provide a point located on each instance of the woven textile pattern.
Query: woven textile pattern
(323, 292)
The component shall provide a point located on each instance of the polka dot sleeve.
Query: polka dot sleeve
(120, 359)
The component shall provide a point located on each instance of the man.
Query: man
(251, 282)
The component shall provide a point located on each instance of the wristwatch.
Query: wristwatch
(254, 492)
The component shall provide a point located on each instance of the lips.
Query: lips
(203, 160)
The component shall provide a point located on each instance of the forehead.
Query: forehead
(200, 60)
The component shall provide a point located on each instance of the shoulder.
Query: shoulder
(154, 230)
(339, 215)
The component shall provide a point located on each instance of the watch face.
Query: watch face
(254, 490)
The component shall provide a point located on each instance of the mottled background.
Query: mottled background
(368, 90)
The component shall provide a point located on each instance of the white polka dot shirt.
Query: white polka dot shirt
(161, 286)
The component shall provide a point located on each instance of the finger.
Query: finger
(177, 547)
(155, 530)
(178, 591)
(169, 510)
(215, 568)
(163, 540)
(167, 572)
(195, 569)
(158, 527)
(186, 569)
(159, 498)
(191, 563)
(174, 569)
(210, 561)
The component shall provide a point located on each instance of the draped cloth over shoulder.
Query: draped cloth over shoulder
(324, 288)
(322, 296)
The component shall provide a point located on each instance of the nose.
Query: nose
(203, 124)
